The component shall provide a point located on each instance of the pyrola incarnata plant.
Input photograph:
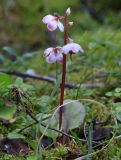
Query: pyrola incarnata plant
(58, 54)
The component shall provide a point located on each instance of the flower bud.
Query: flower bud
(68, 11)
(70, 23)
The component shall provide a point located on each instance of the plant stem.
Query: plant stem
(63, 73)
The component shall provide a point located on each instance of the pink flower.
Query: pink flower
(53, 22)
(53, 54)
(71, 48)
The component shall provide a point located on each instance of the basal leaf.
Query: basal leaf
(15, 135)
(5, 81)
(73, 114)
(11, 51)
(7, 113)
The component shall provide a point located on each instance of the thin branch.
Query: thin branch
(34, 123)
(50, 79)
(56, 130)
(26, 127)
(26, 75)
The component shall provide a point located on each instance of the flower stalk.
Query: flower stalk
(63, 73)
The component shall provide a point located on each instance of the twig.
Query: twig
(21, 130)
(56, 130)
(43, 119)
(26, 75)
(50, 79)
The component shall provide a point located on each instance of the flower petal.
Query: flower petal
(48, 19)
(65, 49)
(51, 58)
(48, 51)
(59, 58)
(52, 25)
(74, 47)
(60, 26)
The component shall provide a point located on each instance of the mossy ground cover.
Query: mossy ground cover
(99, 64)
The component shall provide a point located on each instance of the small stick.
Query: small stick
(51, 79)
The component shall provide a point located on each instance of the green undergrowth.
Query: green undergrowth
(100, 65)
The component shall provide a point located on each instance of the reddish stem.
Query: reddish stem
(63, 73)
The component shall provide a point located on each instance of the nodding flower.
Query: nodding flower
(71, 47)
(53, 54)
(53, 22)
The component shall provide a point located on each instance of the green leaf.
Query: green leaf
(117, 90)
(56, 87)
(92, 45)
(117, 94)
(15, 135)
(45, 100)
(109, 94)
(24, 86)
(5, 80)
(11, 51)
(29, 55)
(118, 111)
(73, 114)
(109, 43)
(118, 116)
(32, 143)
(19, 82)
(2, 58)
(7, 113)
(32, 157)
